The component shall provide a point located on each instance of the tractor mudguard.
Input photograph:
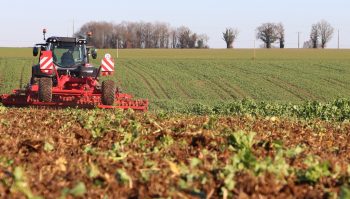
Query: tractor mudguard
(36, 72)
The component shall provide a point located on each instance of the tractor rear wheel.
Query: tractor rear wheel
(108, 92)
(45, 89)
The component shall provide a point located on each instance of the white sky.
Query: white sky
(22, 20)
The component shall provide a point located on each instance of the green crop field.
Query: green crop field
(276, 126)
(175, 78)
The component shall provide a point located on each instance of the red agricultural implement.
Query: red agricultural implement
(65, 78)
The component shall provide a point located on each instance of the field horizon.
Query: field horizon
(172, 78)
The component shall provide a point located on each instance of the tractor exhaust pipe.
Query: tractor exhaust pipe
(44, 33)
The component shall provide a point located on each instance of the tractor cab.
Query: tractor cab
(68, 52)
(70, 56)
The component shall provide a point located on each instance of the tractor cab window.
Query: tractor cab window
(68, 56)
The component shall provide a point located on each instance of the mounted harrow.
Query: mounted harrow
(65, 78)
(71, 98)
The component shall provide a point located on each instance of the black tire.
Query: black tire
(108, 92)
(45, 89)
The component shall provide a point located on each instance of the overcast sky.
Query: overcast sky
(22, 20)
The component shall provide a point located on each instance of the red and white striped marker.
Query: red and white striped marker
(107, 64)
(46, 62)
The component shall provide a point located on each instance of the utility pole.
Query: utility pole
(338, 39)
(298, 39)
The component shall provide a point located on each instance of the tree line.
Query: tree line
(162, 35)
(142, 35)
(272, 33)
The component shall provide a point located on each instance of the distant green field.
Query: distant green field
(171, 78)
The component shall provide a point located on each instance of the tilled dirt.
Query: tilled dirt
(150, 156)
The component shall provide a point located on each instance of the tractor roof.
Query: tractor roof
(66, 40)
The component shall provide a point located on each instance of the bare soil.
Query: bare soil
(57, 151)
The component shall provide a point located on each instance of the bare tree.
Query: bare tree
(140, 35)
(102, 33)
(174, 38)
(202, 41)
(314, 35)
(117, 36)
(148, 35)
(267, 33)
(308, 44)
(133, 40)
(326, 32)
(164, 35)
(229, 36)
(121, 33)
(156, 34)
(321, 34)
(280, 34)
(184, 36)
(193, 41)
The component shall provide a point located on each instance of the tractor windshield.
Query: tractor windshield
(68, 55)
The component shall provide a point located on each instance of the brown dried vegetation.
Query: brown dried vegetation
(134, 155)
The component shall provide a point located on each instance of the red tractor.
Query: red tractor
(64, 77)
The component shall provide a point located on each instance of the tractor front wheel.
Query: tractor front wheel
(45, 89)
(108, 92)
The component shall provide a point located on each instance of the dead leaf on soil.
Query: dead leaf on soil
(173, 168)
(61, 164)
